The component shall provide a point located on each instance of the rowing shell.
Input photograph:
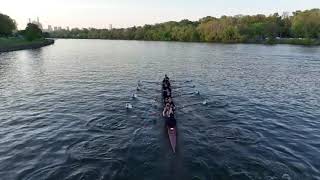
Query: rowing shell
(172, 133)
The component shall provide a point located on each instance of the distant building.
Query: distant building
(59, 28)
(50, 28)
(110, 26)
(37, 22)
(55, 28)
(68, 29)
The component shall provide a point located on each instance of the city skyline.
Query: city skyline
(126, 13)
(50, 28)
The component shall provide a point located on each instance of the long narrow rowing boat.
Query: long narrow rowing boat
(172, 133)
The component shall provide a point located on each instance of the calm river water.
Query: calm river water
(63, 115)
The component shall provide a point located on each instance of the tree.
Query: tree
(231, 34)
(209, 31)
(285, 25)
(32, 32)
(306, 24)
(7, 25)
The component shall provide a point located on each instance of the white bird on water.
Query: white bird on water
(134, 95)
(204, 102)
(128, 106)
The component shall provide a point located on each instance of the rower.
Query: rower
(171, 104)
(166, 85)
(166, 78)
(166, 93)
(166, 100)
(168, 114)
(171, 122)
(167, 111)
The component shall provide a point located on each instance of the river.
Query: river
(63, 115)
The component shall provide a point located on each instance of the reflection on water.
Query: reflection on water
(243, 111)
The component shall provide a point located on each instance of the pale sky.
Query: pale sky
(126, 13)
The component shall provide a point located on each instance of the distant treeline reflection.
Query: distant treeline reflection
(240, 28)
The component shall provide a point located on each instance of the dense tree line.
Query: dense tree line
(301, 24)
(7, 25)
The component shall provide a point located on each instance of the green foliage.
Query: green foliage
(46, 35)
(231, 34)
(14, 42)
(7, 25)
(32, 32)
(227, 29)
(306, 24)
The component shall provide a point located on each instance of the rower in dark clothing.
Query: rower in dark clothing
(166, 90)
(166, 93)
(168, 114)
(166, 77)
(165, 86)
(166, 82)
(169, 101)
(166, 100)
(173, 106)
(171, 122)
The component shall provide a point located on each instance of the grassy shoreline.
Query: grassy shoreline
(296, 41)
(15, 44)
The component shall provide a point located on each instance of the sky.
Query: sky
(127, 13)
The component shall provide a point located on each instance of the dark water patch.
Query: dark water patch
(106, 122)
(78, 170)
(255, 168)
(221, 134)
(97, 148)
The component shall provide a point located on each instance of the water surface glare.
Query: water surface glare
(63, 115)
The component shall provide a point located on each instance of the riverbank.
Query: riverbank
(15, 44)
(295, 41)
